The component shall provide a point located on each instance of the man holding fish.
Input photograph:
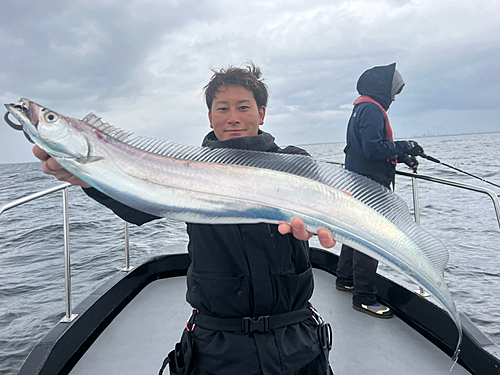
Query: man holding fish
(257, 275)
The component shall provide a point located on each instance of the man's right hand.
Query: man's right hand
(414, 149)
(52, 167)
(298, 229)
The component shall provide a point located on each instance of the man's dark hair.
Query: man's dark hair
(249, 78)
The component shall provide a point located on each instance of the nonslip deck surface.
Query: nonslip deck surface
(139, 338)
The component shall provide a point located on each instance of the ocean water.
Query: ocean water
(32, 297)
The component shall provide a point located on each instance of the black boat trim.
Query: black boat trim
(66, 343)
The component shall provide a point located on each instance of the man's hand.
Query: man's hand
(410, 161)
(409, 148)
(414, 149)
(298, 228)
(52, 167)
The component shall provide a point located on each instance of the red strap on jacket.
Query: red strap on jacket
(367, 99)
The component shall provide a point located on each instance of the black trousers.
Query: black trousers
(318, 366)
(358, 270)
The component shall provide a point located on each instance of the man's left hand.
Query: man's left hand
(410, 161)
(298, 228)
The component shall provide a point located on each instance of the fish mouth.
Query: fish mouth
(21, 111)
(22, 105)
(21, 108)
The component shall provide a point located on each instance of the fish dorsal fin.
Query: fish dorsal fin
(367, 191)
(106, 128)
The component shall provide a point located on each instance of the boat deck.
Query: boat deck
(139, 338)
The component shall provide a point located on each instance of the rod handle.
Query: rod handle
(425, 156)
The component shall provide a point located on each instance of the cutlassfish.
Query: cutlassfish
(227, 186)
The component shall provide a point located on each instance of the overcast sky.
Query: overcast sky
(141, 65)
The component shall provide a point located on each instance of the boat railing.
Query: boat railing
(67, 264)
(416, 211)
(415, 176)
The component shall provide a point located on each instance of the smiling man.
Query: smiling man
(235, 113)
(249, 284)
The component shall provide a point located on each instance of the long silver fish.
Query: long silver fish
(227, 186)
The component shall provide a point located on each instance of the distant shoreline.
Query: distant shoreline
(412, 137)
(451, 135)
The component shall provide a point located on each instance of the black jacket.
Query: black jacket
(245, 270)
(368, 148)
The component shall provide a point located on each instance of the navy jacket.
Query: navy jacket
(245, 270)
(367, 147)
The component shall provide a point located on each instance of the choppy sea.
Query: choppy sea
(32, 296)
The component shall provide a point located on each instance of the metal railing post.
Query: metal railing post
(127, 250)
(416, 213)
(67, 264)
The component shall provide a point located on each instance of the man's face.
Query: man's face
(235, 114)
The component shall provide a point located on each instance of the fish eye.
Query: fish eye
(50, 117)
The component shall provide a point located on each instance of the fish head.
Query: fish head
(59, 136)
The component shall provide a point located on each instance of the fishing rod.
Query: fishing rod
(452, 167)
(425, 156)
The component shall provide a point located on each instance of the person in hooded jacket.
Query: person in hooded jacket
(371, 151)
(249, 284)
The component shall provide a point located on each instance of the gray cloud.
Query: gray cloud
(141, 65)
